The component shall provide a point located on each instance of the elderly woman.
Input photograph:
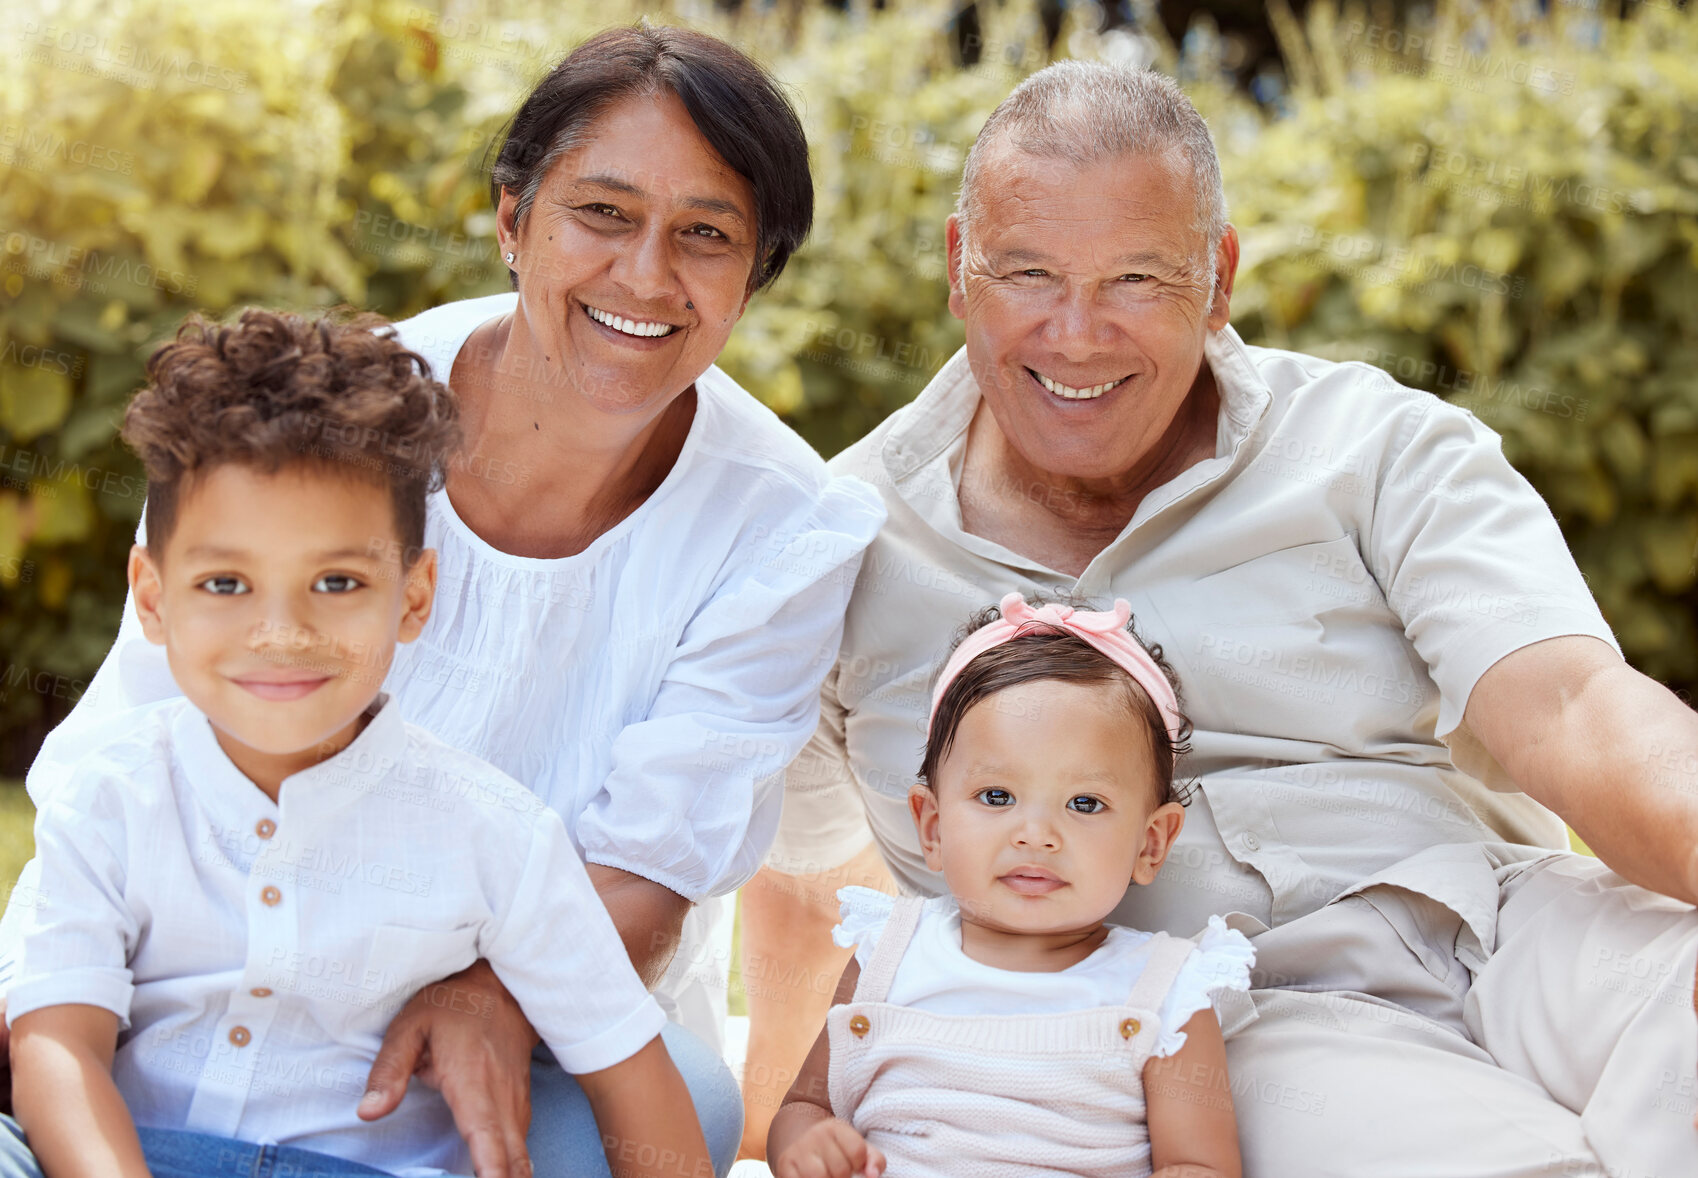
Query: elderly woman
(1395, 670)
(643, 572)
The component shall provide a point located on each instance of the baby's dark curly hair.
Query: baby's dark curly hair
(1060, 656)
(276, 389)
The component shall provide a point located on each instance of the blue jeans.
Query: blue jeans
(564, 1141)
(171, 1153)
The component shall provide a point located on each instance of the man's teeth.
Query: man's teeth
(1071, 393)
(629, 326)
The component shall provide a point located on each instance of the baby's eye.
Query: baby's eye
(995, 797)
(224, 586)
(1085, 804)
(336, 583)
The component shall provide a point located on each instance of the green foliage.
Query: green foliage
(1502, 215)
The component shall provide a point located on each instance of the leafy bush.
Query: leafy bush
(1502, 215)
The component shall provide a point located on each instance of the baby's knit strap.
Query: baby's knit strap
(875, 980)
(1161, 970)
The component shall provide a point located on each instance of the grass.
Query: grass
(17, 833)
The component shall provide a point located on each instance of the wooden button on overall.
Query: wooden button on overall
(859, 1025)
(1129, 1027)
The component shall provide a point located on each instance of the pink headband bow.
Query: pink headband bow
(1104, 630)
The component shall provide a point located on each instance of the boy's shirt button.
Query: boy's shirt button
(261, 991)
(270, 896)
(265, 828)
(240, 1036)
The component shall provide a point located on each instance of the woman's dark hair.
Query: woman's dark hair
(1062, 657)
(275, 390)
(734, 103)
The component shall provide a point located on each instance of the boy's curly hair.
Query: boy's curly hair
(275, 389)
(1067, 658)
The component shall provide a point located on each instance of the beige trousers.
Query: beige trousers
(1468, 1016)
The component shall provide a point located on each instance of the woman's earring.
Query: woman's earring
(509, 257)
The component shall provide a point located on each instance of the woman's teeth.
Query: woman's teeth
(629, 326)
(1071, 393)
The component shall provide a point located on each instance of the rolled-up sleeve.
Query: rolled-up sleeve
(588, 1026)
(76, 930)
(692, 801)
(1469, 555)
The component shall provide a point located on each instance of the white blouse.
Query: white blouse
(651, 688)
(936, 975)
(255, 951)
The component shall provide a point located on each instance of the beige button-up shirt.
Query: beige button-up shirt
(1329, 587)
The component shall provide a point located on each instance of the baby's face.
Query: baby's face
(1045, 809)
(279, 600)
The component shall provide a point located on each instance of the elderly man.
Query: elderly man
(1396, 672)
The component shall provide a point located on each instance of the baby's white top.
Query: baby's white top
(255, 951)
(936, 975)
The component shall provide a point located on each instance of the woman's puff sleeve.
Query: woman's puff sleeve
(693, 797)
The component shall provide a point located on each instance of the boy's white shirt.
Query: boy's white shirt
(254, 952)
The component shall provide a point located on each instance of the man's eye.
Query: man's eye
(1134, 278)
(1034, 273)
(603, 210)
(707, 231)
(1085, 804)
(996, 797)
(224, 586)
(336, 583)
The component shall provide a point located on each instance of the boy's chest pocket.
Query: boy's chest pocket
(408, 959)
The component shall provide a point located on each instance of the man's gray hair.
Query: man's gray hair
(1085, 112)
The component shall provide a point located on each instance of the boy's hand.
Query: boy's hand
(466, 1037)
(830, 1149)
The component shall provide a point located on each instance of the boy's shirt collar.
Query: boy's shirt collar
(376, 752)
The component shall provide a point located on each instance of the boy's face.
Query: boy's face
(1044, 811)
(279, 599)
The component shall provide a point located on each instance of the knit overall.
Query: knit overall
(997, 1096)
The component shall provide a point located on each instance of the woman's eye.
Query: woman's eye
(336, 583)
(603, 210)
(1085, 804)
(1134, 278)
(1034, 273)
(996, 797)
(224, 586)
(707, 231)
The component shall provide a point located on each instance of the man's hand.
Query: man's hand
(467, 1037)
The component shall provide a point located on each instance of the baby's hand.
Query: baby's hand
(830, 1149)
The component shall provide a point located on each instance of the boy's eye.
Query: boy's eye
(1085, 804)
(224, 586)
(335, 583)
(996, 797)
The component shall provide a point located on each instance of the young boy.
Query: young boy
(241, 888)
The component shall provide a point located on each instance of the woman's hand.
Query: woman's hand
(829, 1149)
(466, 1037)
